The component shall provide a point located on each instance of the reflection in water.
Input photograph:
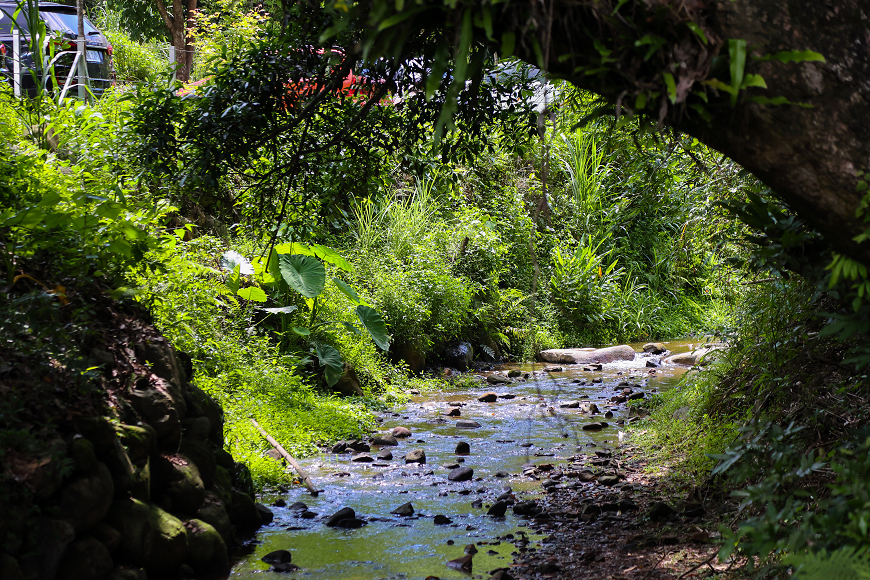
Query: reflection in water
(530, 428)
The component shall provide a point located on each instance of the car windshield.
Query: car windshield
(71, 21)
(6, 20)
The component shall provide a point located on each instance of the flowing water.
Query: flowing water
(530, 428)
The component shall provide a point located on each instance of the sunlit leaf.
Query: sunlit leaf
(304, 274)
(252, 293)
(374, 324)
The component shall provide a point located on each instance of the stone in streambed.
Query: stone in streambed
(344, 513)
(463, 448)
(654, 348)
(570, 405)
(385, 440)
(453, 412)
(359, 446)
(467, 424)
(362, 458)
(497, 380)
(585, 356)
(415, 456)
(401, 432)
(488, 398)
(498, 509)
(594, 426)
(385, 454)
(298, 507)
(461, 474)
(280, 560)
(507, 396)
(441, 520)
(339, 447)
(462, 564)
(527, 508)
(405, 510)
(608, 480)
(514, 373)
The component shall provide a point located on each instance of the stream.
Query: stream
(530, 428)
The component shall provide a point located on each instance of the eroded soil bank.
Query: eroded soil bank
(552, 493)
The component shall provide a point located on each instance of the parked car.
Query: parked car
(61, 21)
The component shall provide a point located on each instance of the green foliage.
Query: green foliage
(841, 564)
(133, 61)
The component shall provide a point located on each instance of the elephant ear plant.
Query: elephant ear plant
(293, 269)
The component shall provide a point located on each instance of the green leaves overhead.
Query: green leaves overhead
(374, 324)
(304, 274)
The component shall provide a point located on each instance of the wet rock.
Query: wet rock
(488, 398)
(401, 432)
(501, 574)
(453, 412)
(359, 446)
(594, 426)
(477, 504)
(608, 415)
(507, 396)
(655, 348)
(514, 373)
(450, 466)
(280, 560)
(185, 486)
(362, 458)
(548, 568)
(570, 405)
(385, 455)
(699, 356)
(461, 474)
(501, 474)
(660, 511)
(498, 509)
(527, 508)
(344, 513)
(350, 524)
(339, 447)
(131, 518)
(587, 356)
(297, 507)
(308, 515)
(463, 564)
(279, 503)
(636, 396)
(470, 549)
(415, 456)
(206, 549)
(243, 511)
(497, 380)
(266, 515)
(608, 480)
(651, 364)
(441, 520)
(385, 440)
(462, 448)
(553, 369)
(597, 381)
(405, 510)
(467, 424)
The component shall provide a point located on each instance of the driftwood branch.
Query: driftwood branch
(280, 449)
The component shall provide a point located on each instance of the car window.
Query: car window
(70, 21)
(6, 20)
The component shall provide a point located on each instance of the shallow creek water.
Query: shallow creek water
(392, 547)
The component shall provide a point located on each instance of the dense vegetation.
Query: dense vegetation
(276, 264)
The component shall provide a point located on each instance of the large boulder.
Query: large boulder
(160, 356)
(184, 485)
(206, 549)
(86, 500)
(85, 559)
(150, 399)
(214, 513)
(459, 356)
(132, 518)
(610, 354)
(200, 454)
(692, 358)
(169, 549)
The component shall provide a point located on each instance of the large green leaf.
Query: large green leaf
(329, 358)
(347, 289)
(332, 257)
(374, 323)
(231, 259)
(304, 274)
(252, 293)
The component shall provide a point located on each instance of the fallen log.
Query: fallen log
(306, 479)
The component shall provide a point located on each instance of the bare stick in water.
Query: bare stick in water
(280, 449)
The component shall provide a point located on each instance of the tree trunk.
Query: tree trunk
(175, 24)
(808, 155)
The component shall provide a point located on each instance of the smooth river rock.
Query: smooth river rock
(586, 356)
(695, 357)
